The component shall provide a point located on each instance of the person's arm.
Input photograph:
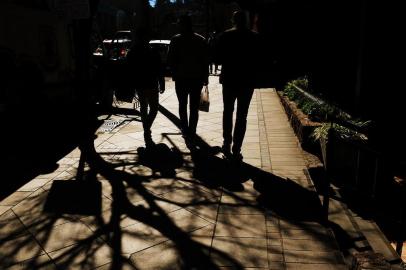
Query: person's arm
(206, 59)
(161, 74)
(158, 68)
(171, 59)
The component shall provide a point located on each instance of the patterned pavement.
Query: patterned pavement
(200, 213)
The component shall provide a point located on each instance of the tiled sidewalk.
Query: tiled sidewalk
(204, 217)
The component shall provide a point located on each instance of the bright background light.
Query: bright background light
(153, 2)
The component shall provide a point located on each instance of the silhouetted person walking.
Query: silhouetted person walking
(148, 78)
(212, 40)
(237, 53)
(188, 59)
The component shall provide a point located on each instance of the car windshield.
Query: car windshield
(161, 45)
(123, 37)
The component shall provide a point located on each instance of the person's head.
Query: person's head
(185, 24)
(239, 19)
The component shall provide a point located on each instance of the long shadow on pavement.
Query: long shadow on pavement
(282, 196)
(33, 140)
(191, 251)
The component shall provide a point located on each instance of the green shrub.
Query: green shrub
(331, 116)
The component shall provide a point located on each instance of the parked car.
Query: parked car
(118, 47)
(162, 45)
(112, 73)
(115, 75)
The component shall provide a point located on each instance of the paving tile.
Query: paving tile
(240, 210)
(94, 222)
(277, 265)
(312, 266)
(274, 255)
(4, 209)
(297, 169)
(274, 235)
(250, 154)
(189, 196)
(15, 198)
(83, 256)
(244, 252)
(317, 234)
(19, 249)
(256, 162)
(53, 174)
(240, 199)
(216, 191)
(205, 232)
(282, 138)
(310, 226)
(308, 245)
(275, 246)
(133, 196)
(168, 254)
(122, 265)
(272, 228)
(250, 146)
(284, 151)
(163, 185)
(34, 217)
(249, 189)
(205, 211)
(32, 204)
(58, 237)
(172, 256)
(272, 145)
(248, 268)
(42, 262)
(241, 226)
(252, 139)
(187, 221)
(34, 184)
(138, 237)
(11, 226)
(320, 257)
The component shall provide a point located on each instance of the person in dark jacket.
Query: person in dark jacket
(189, 62)
(237, 53)
(148, 79)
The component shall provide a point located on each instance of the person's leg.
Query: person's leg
(143, 107)
(142, 96)
(181, 93)
(228, 104)
(195, 91)
(153, 102)
(243, 102)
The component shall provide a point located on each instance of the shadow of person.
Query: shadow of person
(285, 197)
(215, 171)
(160, 158)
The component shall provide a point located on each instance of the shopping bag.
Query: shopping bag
(204, 100)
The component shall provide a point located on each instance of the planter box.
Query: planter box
(340, 159)
(301, 124)
(339, 155)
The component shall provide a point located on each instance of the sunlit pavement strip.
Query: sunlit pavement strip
(173, 222)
